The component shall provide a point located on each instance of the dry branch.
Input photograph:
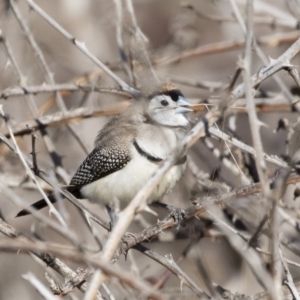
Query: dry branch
(82, 47)
(272, 40)
(201, 206)
(67, 87)
(60, 118)
(37, 247)
(66, 194)
(50, 260)
(117, 242)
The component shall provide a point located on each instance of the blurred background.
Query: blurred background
(188, 43)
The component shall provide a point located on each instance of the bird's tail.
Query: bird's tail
(42, 203)
(37, 205)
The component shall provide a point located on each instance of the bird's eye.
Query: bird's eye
(164, 103)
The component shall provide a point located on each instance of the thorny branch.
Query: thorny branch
(82, 47)
(26, 244)
(117, 243)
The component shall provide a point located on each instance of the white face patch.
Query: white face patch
(162, 110)
(160, 102)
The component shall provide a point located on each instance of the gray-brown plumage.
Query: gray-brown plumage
(129, 148)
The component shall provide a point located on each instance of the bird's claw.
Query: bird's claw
(123, 250)
(111, 226)
(178, 214)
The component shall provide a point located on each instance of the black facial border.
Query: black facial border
(173, 94)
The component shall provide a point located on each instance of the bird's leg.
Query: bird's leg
(176, 213)
(111, 216)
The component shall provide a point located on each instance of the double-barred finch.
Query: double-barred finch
(128, 150)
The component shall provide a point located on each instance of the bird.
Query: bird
(128, 150)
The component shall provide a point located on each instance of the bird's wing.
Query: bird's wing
(111, 152)
(99, 164)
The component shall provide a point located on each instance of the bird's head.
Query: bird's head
(169, 106)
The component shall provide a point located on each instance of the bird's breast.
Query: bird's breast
(158, 141)
(124, 184)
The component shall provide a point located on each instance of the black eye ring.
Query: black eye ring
(164, 102)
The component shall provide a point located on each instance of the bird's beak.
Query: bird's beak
(183, 106)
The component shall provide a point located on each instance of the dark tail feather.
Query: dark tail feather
(74, 190)
(37, 206)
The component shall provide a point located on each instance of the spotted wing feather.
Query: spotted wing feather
(111, 152)
(99, 164)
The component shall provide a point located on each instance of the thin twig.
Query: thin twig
(49, 259)
(67, 233)
(288, 278)
(119, 32)
(274, 66)
(244, 147)
(33, 151)
(82, 47)
(218, 47)
(249, 255)
(66, 194)
(48, 74)
(60, 118)
(136, 283)
(220, 200)
(66, 87)
(39, 286)
(170, 264)
(255, 124)
(273, 20)
(29, 172)
(34, 110)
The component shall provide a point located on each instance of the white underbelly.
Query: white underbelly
(124, 184)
